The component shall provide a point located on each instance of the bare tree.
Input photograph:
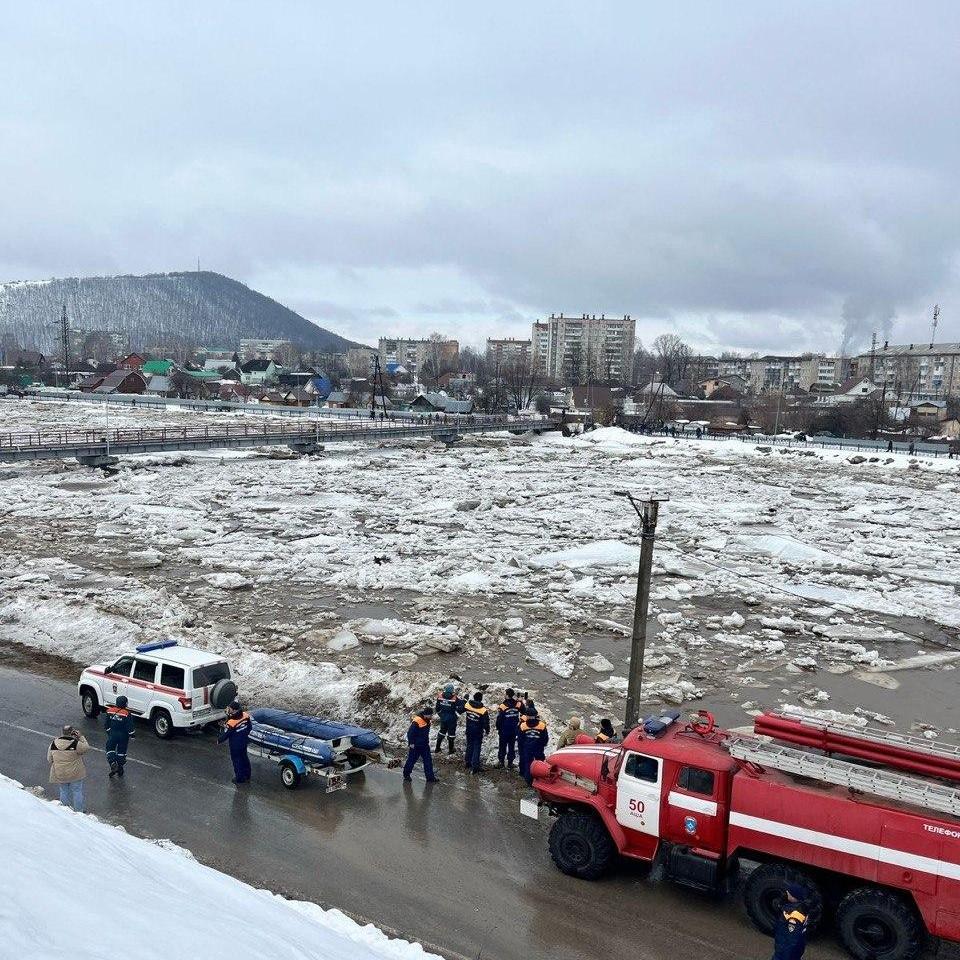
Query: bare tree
(644, 365)
(520, 381)
(672, 356)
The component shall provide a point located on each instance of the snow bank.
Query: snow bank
(49, 850)
(602, 553)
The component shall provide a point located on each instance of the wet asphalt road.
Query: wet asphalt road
(452, 865)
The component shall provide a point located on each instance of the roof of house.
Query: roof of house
(913, 350)
(852, 382)
(113, 380)
(94, 380)
(939, 404)
(659, 388)
(158, 384)
(203, 374)
(337, 396)
(257, 365)
(161, 367)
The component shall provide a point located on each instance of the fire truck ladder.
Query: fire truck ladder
(842, 773)
(885, 747)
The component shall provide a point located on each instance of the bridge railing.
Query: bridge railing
(136, 436)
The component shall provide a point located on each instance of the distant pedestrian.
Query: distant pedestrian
(607, 734)
(236, 730)
(67, 770)
(477, 726)
(910, 448)
(889, 446)
(448, 707)
(699, 433)
(533, 739)
(508, 724)
(569, 736)
(418, 740)
(119, 727)
(790, 926)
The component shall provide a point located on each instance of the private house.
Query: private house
(159, 368)
(133, 361)
(122, 381)
(258, 371)
(929, 411)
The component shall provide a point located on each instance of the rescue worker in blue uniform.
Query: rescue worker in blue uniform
(477, 720)
(119, 726)
(237, 731)
(418, 738)
(790, 929)
(448, 707)
(507, 723)
(533, 738)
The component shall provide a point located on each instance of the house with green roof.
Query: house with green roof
(160, 368)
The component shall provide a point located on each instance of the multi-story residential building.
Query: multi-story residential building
(508, 350)
(915, 371)
(415, 354)
(589, 348)
(540, 346)
(256, 349)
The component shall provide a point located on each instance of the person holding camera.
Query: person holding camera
(67, 769)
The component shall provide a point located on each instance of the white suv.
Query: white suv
(169, 685)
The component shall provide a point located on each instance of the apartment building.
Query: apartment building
(914, 371)
(588, 347)
(255, 349)
(415, 354)
(508, 350)
(540, 346)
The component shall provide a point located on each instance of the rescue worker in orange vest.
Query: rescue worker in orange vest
(237, 731)
(507, 722)
(119, 727)
(418, 738)
(477, 720)
(533, 738)
(790, 929)
(448, 707)
(607, 734)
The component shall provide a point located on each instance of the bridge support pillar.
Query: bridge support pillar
(307, 446)
(98, 460)
(449, 438)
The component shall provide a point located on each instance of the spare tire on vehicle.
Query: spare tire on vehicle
(223, 694)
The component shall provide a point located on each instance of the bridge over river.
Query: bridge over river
(95, 447)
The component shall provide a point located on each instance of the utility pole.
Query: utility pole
(647, 510)
(65, 343)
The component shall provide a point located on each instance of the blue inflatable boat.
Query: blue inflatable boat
(315, 728)
(307, 747)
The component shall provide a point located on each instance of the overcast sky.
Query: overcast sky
(746, 175)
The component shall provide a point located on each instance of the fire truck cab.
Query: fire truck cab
(805, 802)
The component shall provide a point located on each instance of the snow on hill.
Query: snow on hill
(56, 863)
(206, 309)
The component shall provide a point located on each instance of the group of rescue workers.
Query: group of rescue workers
(519, 728)
(520, 731)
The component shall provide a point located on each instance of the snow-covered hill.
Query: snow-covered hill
(54, 904)
(206, 309)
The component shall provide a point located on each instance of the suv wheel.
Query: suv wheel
(162, 724)
(580, 845)
(89, 703)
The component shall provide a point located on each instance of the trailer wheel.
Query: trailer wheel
(764, 891)
(877, 923)
(289, 775)
(580, 845)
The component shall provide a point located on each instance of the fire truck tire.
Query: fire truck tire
(875, 923)
(764, 890)
(580, 846)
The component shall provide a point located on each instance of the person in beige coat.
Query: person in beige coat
(65, 756)
(569, 736)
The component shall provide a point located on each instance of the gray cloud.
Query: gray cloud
(750, 176)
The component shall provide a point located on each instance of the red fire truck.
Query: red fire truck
(866, 820)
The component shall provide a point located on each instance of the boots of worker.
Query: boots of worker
(113, 770)
(450, 745)
(439, 742)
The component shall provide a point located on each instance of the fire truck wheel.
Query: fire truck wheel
(580, 845)
(764, 890)
(877, 923)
